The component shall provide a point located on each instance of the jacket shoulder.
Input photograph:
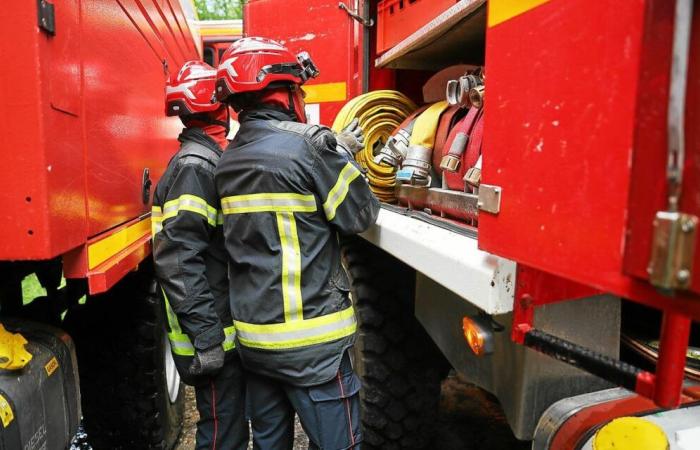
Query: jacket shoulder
(193, 153)
(317, 136)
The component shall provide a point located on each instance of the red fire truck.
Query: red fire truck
(216, 36)
(539, 230)
(562, 268)
(84, 141)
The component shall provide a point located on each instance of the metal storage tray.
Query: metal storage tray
(455, 36)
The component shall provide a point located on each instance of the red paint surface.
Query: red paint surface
(83, 118)
(320, 27)
(561, 131)
(535, 288)
(675, 332)
(398, 19)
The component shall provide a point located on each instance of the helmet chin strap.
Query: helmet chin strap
(212, 124)
(296, 104)
(213, 118)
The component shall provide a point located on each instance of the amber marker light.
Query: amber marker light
(477, 335)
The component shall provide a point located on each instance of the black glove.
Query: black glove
(207, 361)
(350, 140)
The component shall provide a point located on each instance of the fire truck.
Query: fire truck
(538, 161)
(85, 139)
(216, 36)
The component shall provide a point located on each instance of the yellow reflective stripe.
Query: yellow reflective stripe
(180, 342)
(171, 316)
(340, 190)
(502, 10)
(107, 247)
(291, 266)
(268, 202)
(299, 333)
(325, 92)
(230, 338)
(190, 203)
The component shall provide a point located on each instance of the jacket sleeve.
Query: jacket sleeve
(188, 222)
(348, 203)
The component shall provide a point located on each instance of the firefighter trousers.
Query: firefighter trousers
(329, 412)
(221, 404)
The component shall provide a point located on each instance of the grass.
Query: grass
(31, 289)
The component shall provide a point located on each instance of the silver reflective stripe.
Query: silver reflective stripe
(156, 220)
(268, 202)
(179, 346)
(291, 266)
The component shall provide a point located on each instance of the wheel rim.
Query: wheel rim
(172, 377)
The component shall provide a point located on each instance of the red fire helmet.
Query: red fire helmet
(192, 90)
(252, 64)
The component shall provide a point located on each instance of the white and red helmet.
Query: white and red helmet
(254, 63)
(192, 90)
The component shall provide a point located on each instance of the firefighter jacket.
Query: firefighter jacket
(188, 251)
(285, 195)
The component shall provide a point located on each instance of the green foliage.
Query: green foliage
(219, 9)
(31, 289)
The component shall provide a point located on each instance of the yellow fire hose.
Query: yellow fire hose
(379, 113)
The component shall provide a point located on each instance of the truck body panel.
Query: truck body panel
(85, 119)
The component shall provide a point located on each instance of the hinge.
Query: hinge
(489, 198)
(673, 250)
(46, 17)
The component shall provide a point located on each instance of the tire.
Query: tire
(122, 358)
(400, 367)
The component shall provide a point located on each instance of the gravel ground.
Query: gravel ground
(469, 419)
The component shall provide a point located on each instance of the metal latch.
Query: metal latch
(673, 244)
(146, 184)
(46, 16)
(489, 199)
(673, 248)
(366, 22)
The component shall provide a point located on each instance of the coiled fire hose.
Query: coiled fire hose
(379, 113)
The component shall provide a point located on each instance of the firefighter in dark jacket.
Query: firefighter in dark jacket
(287, 190)
(190, 261)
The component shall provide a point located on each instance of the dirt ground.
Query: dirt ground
(469, 419)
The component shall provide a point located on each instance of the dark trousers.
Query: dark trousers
(329, 412)
(221, 404)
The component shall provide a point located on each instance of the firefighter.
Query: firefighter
(190, 261)
(287, 190)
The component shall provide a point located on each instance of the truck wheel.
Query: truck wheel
(131, 394)
(400, 367)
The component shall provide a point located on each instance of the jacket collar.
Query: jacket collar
(266, 112)
(199, 136)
